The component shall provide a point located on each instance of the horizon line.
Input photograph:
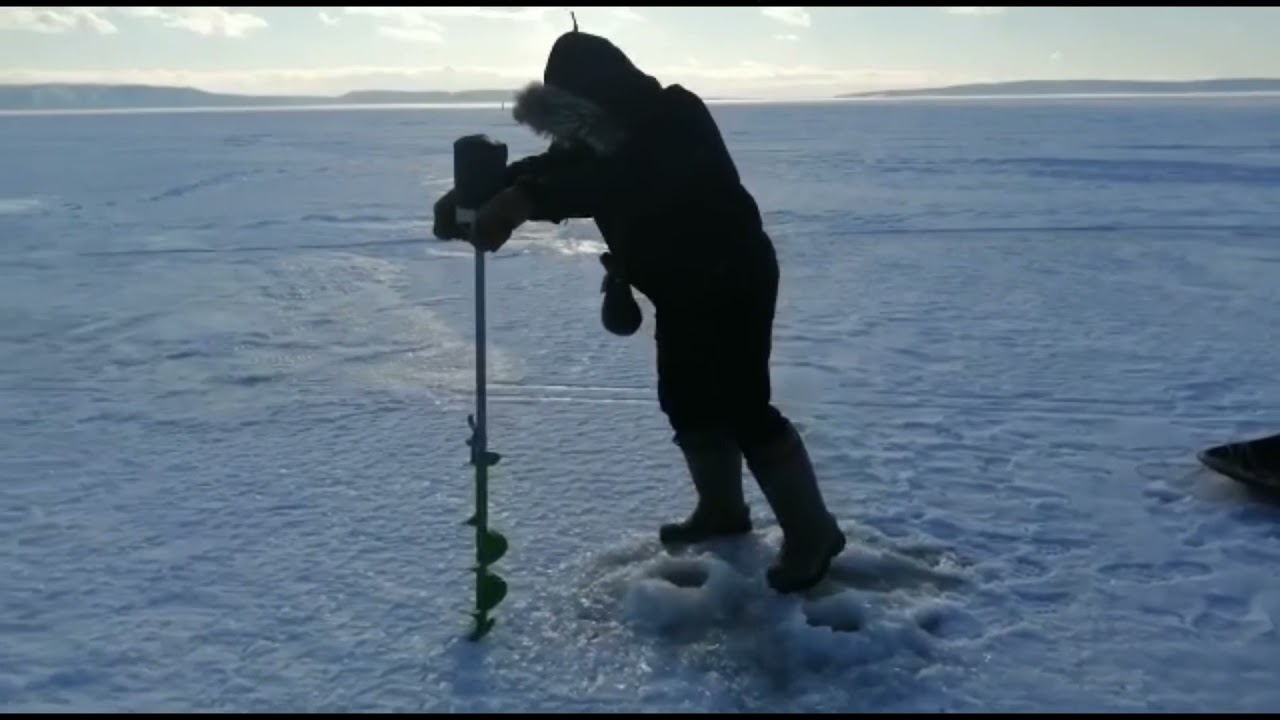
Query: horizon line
(475, 90)
(495, 104)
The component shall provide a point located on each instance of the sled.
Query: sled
(1255, 463)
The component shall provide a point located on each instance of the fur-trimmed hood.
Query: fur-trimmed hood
(590, 93)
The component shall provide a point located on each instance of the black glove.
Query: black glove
(619, 312)
(445, 223)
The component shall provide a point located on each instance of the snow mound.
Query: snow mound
(880, 612)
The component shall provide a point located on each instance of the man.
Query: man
(649, 166)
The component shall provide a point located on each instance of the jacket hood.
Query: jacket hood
(590, 92)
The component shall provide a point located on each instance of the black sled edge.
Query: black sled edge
(1255, 462)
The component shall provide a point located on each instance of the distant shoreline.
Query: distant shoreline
(1086, 88)
(74, 112)
(82, 99)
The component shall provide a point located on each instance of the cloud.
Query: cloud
(788, 37)
(433, 33)
(626, 14)
(797, 16)
(419, 24)
(53, 20)
(207, 21)
(975, 11)
(427, 24)
(423, 24)
(414, 14)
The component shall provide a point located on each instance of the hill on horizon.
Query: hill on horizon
(96, 96)
(1083, 87)
(86, 96)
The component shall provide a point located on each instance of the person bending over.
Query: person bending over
(648, 164)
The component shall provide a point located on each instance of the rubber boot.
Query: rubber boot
(715, 466)
(811, 538)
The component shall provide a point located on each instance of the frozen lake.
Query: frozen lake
(235, 372)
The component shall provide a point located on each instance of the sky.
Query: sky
(745, 51)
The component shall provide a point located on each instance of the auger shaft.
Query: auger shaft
(478, 167)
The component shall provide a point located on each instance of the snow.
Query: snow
(235, 375)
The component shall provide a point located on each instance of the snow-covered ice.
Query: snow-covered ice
(235, 374)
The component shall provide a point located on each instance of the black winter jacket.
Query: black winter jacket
(646, 163)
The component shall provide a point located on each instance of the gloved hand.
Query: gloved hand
(445, 225)
(619, 313)
(499, 217)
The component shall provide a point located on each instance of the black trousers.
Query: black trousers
(714, 332)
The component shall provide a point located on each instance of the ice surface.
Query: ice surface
(235, 372)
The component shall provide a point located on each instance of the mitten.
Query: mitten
(619, 313)
(499, 217)
(445, 222)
